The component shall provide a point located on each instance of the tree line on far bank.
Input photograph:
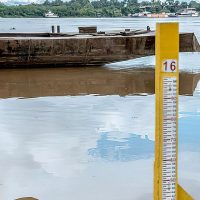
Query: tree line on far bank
(95, 8)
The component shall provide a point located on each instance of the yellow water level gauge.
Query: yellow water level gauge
(166, 138)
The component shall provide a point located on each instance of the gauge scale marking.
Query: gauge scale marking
(169, 138)
(167, 45)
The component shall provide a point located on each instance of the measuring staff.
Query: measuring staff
(166, 137)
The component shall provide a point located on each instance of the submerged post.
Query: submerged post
(166, 134)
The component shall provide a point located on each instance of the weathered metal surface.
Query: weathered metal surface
(87, 29)
(71, 49)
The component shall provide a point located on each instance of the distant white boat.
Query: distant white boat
(189, 12)
(172, 15)
(149, 15)
(142, 14)
(51, 15)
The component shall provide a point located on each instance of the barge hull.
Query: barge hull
(81, 50)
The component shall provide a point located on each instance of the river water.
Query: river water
(60, 145)
(72, 24)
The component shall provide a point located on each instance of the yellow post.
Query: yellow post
(166, 137)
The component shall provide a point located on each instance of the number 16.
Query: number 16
(169, 66)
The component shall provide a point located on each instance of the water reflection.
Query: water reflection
(127, 149)
(79, 81)
(45, 141)
(74, 81)
(100, 146)
(189, 151)
(189, 127)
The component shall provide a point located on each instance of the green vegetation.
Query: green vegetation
(95, 8)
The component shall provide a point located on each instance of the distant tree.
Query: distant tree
(145, 3)
(57, 3)
(193, 4)
(170, 2)
(184, 4)
(132, 2)
(46, 2)
(93, 8)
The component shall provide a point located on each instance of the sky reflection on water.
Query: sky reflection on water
(100, 146)
(127, 149)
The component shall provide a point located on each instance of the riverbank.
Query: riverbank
(93, 8)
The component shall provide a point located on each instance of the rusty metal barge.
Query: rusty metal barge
(57, 49)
